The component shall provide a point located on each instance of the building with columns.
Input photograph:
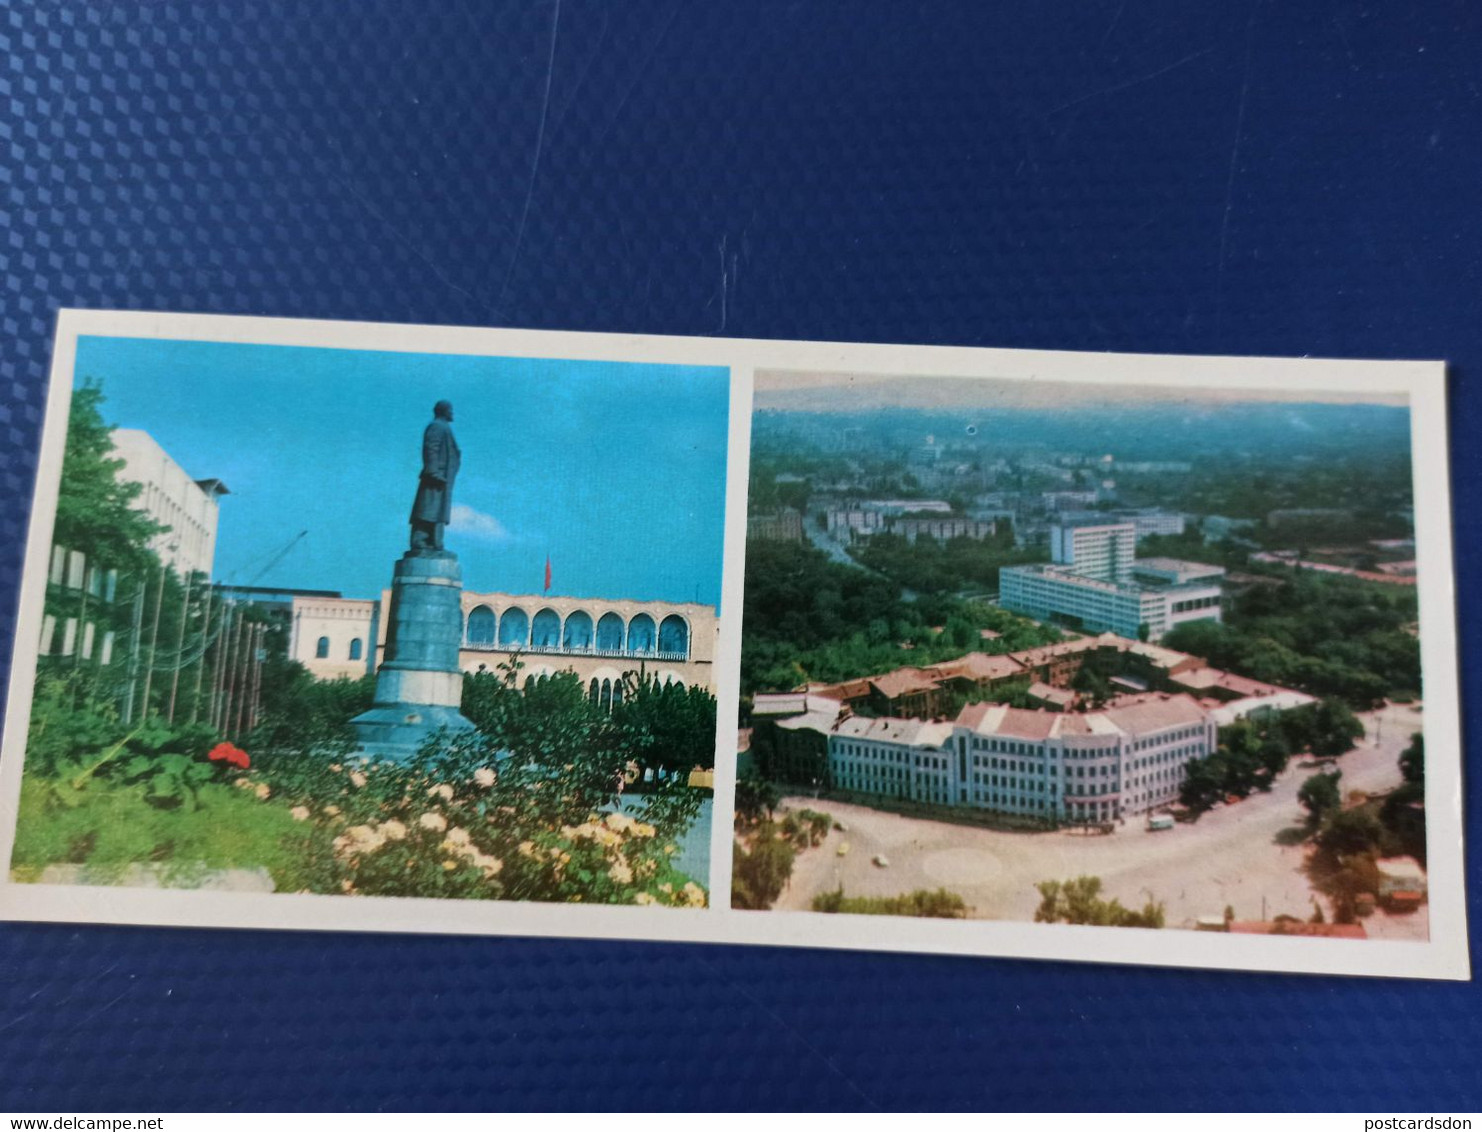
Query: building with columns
(600, 639)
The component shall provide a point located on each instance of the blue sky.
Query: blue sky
(616, 470)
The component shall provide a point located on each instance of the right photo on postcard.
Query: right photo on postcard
(1082, 653)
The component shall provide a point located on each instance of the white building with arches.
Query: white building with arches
(600, 639)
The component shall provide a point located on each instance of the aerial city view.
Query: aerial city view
(1120, 655)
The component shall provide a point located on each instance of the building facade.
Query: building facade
(599, 639)
(1096, 583)
(188, 507)
(785, 525)
(1053, 766)
(1095, 549)
(331, 636)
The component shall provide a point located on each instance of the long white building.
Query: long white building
(1093, 766)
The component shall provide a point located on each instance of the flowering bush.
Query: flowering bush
(459, 822)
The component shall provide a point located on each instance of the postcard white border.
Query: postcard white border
(1444, 956)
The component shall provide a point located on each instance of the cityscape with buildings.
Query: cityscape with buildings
(1014, 642)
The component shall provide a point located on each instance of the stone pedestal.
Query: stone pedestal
(419, 685)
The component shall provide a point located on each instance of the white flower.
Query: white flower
(443, 791)
(435, 822)
(336, 767)
(357, 778)
(300, 813)
(263, 791)
(484, 776)
(457, 836)
(332, 811)
(394, 830)
(620, 873)
(644, 898)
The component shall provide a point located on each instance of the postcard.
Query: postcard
(1113, 658)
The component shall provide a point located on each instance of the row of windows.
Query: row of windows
(517, 629)
(1195, 603)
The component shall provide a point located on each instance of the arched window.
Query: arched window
(610, 632)
(321, 650)
(674, 636)
(355, 649)
(545, 630)
(606, 700)
(514, 629)
(617, 692)
(578, 634)
(641, 634)
(595, 690)
(480, 625)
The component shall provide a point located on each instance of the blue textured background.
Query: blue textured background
(1129, 175)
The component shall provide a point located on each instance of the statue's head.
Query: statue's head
(443, 410)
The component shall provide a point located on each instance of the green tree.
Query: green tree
(1350, 833)
(1320, 797)
(95, 509)
(756, 796)
(759, 875)
(1079, 901)
(669, 726)
(1412, 762)
(1336, 728)
(1200, 788)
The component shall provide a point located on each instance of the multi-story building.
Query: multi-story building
(1095, 583)
(188, 507)
(1145, 520)
(80, 617)
(941, 528)
(785, 525)
(1058, 766)
(1095, 548)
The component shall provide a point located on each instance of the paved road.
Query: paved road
(1233, 855)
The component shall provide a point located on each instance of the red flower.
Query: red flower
(226, 752)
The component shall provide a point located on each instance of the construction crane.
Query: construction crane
(277, 558)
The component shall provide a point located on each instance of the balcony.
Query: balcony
(577, 650)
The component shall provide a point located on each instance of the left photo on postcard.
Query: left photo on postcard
(371, 622)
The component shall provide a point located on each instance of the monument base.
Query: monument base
(398, 731)
(419, 685)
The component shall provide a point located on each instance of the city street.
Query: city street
(1232, 856)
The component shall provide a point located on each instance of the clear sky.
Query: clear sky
(614, 470)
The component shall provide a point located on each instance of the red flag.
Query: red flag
(547, 573)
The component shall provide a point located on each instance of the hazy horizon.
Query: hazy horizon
(799, 391)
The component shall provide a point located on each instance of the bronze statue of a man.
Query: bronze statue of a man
(433, 507)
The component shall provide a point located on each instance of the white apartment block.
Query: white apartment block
(1096, 584)
(188, 507)
(1098, 550)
